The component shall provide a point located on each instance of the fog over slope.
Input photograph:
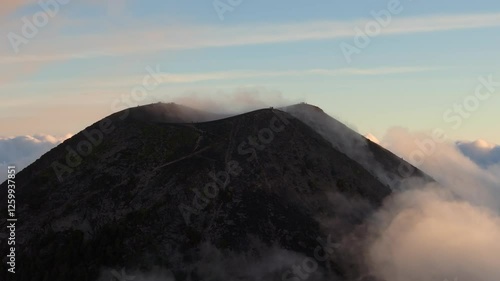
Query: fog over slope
(427, 231)
(439, 231)
(356, 146)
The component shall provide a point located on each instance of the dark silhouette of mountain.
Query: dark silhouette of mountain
(241, 198)
(167, 113)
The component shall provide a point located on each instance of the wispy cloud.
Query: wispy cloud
(197, 77)
(152, 39)
(180, 78)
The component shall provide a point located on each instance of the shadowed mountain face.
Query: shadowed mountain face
(250, 197)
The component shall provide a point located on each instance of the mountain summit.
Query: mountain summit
(165, 188)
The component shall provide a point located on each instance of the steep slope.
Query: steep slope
(387, 167)
(241, 198)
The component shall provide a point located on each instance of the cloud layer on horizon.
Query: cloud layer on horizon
(481, 152)
(21, 151)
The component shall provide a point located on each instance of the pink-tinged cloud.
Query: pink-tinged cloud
(438, 231)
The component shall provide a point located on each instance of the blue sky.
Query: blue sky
(428, 58)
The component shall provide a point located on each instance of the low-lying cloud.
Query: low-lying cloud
(441, 231)
(21, 151)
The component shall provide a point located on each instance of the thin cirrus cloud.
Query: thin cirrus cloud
(180, 78)
(190, 78)
(186, 36)
(186, 78)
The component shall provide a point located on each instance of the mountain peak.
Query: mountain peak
(304, 106)
(157, 189)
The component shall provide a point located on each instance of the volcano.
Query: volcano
(166, 192)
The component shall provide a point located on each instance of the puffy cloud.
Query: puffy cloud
(428, 235)
(443, 230)
(481, 152)
(442, 160)
(21, 151)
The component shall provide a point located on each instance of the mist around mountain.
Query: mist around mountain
(167, 192)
